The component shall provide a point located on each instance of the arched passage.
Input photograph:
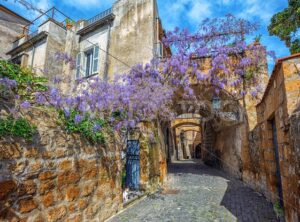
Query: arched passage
(220, 131)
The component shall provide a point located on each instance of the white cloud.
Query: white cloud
(200, 10)
(43, 4)
(88, 3)
(183, 12)
(27, 11)
(259, 9)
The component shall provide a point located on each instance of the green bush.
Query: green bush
(27, 82)
(17, 127)
(85, 127)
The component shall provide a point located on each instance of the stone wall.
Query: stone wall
(58, 177)
(274, 169)
(153, 158)
(228, 147)
(61, 177)
(294, 167)
(208, 153)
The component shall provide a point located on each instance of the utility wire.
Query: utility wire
(30, 6)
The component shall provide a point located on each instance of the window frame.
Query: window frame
(81, 62)
(89, 51)
(95, 60)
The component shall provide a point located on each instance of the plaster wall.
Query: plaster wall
(10, 29)
(98, 37)
(133, 34)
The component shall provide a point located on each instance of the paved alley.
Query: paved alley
(197, 192)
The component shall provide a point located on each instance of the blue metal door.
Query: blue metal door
(133, 165)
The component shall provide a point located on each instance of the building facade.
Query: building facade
(111, 42)
(11, 28)
(274, 143)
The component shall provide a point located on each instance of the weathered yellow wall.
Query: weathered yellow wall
(280, 103)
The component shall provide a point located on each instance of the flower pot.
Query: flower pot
(69, 26)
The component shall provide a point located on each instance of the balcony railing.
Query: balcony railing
(99, 16)
(31, 35)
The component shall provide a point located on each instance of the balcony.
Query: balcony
(40, 25)
(100, 16)
(96, 21)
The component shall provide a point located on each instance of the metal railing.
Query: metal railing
(99, 16)
(31, 35)
(31, 30)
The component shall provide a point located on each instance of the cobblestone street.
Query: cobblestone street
(200, 193)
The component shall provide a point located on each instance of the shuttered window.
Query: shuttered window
(96, 60)
(88, 61)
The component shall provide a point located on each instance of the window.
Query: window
(159, 50)
(96, 59)
(90, 60)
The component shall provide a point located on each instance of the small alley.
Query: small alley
(196, 192)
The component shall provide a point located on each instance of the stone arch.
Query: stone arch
(214, 124)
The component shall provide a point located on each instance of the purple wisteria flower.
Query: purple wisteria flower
(78, 118)
(8, 82)
(25, 105)
(96, 127)
(67, 112)
(40, 98)
(214, 56)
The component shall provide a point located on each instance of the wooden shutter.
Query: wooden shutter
(78, 65)
(95, 60)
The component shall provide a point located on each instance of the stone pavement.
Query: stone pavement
(197, 192)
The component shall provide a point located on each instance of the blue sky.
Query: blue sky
(181, 13)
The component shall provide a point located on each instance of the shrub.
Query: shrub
(91, 129)
(16, 127)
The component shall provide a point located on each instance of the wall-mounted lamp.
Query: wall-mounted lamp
(216, 103)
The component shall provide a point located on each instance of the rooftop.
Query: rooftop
(275, 71)
(7, 10)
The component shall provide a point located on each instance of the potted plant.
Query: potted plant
(69, 23)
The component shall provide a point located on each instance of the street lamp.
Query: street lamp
(216, 103)
(134, 134)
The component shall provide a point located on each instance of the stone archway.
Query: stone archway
(221, 130)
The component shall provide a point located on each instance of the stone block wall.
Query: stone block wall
(293, 168)
(253, 172)
(152, 158)
(61, 177)
(58, 177)
(228, 146)
(277, 175)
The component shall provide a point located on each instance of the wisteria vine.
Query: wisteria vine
(147, 92)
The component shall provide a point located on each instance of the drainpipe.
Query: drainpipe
(157, 38)
(107, 48)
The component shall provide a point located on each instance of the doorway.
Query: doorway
(132, 180)
(277, 160)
